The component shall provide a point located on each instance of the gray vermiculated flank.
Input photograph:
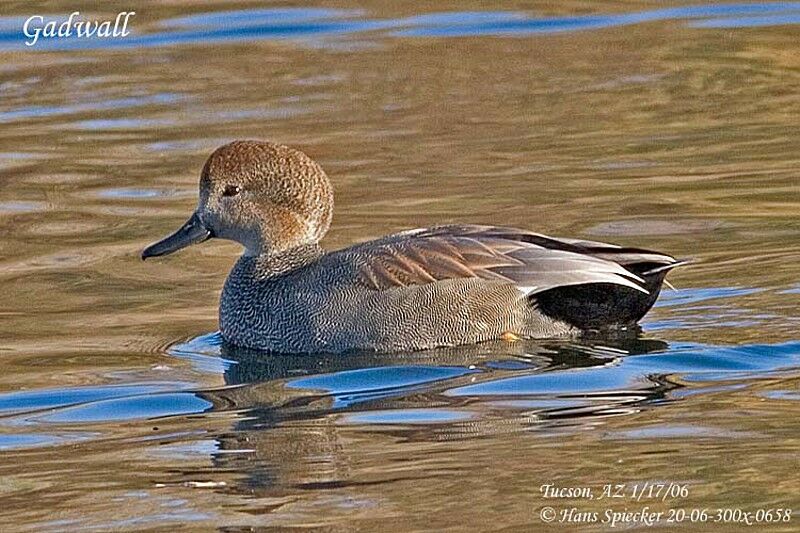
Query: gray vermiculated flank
(448, 285)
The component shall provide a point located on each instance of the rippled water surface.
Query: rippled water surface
(666, 125)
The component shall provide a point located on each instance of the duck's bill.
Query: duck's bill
(192, 232)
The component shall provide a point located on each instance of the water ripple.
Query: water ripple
(313, 24)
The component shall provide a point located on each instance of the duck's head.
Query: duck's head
(268, 197)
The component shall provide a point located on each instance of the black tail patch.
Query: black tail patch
(596, 306)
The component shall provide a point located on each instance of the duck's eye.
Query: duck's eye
(231, 190)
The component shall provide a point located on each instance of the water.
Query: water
(666, 126)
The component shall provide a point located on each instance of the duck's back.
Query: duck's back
(439, 286)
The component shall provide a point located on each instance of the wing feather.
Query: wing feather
(531, 261)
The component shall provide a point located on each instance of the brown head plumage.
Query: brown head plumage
(266, 196)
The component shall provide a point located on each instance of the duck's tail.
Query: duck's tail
(598, 306)
(667, 267)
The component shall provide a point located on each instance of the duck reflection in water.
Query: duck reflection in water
(296, 408)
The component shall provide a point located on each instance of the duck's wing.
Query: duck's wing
(534, 263)
(638, 260)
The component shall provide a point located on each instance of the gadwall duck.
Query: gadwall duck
(418, 289)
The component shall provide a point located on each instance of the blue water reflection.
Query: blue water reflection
(314, 24)
(51, 398)
(557, 381)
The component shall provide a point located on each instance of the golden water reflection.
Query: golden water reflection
(663, 134)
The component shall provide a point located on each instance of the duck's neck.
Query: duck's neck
(265, 266)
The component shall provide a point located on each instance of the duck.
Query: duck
(418, 289)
